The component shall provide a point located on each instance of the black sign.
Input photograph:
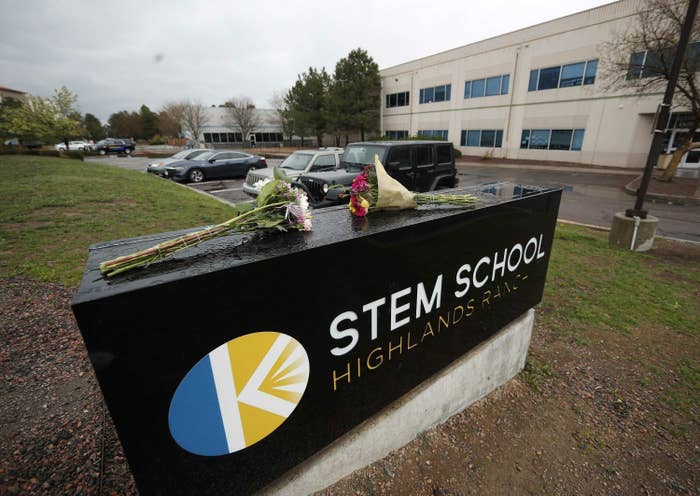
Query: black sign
(232, 363)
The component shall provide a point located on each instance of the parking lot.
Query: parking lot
(227, 189)
(590, 197)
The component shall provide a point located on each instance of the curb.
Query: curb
(558, 168)
(674, 199)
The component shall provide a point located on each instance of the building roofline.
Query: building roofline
(502, 35)
(4, 88)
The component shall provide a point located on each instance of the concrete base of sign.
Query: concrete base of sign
(622, 232)
(467, 380)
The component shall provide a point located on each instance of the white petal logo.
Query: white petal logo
(239, 393)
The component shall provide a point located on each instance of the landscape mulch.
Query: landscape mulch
(584, 418)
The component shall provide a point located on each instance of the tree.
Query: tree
(194, 118)
(125, 124)
(641, 58)
(94, 127)
(45, 119)
(241, 113)
(354, 99)
(307, 102)
(7, 105)
(170, 119)
(149, 122)
(282, 116)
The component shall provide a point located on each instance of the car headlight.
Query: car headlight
(156, 164)
(325, 188)
(178, 168)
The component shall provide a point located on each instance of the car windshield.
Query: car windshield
(181, 154)
(362, 154)
(296, 161)
(196, 154)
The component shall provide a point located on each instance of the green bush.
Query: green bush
(457, 153)
(158, 140)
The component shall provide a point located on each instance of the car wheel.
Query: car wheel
(103, 151)
(128, 151)
(196, 176)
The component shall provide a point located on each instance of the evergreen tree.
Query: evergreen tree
(149, 122)
(307, 103)
(94, 128)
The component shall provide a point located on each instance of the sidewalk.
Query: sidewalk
(682, 190)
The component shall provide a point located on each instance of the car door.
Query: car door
(218, 165)
(323, 163)
(399, 165)
(238, 164)
(424, 167)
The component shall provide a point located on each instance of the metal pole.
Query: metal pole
(664, 110)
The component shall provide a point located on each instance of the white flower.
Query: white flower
(258, 185)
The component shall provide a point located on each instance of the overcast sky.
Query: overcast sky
(118, 55)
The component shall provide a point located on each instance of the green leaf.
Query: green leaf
(243, 207)
(266, 192)
(280, 175)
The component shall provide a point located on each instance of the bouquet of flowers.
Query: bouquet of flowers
(279, 207)
(374, 189)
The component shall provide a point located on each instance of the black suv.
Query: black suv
(418, 165)
(112, 145)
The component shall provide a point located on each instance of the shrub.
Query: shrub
(158, 140)
(457, 153)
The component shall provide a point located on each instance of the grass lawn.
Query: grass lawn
(52, 209)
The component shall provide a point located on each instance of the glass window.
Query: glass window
(473, 138)
(532, 85)
(429, 95)
(424, 155)
(549, 78)
(504, 84)
(238, 155)
(591, 68)
(296, 161)
(400, 157)
(493, 86)
(392, 100)
(207, 137)
(444, 154)
(463, 138)
(560, 140)
(577, 141)
(499, 138)
(636, 64)
(215, 137)
(693, 56)
(230, 137)
(488, 138)
(467, 89)
(387, 101)
(448, 92)
(478, 87)
(401, 99)
(324, 161)
(539, 139)
(654, 65)
(572, 75)
(525, 139)
(421, 96)
(439, 93)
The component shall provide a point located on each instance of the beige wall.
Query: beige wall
(617, 123)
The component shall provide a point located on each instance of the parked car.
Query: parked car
(418, 165)
(114, 145)
(298, 163)
(73, 145)
(214, 165)
(189, 154)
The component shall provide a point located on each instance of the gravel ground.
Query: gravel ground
(585, 418)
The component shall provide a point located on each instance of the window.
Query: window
(563, 76)
(504, 84)
(400, 157)
(397, 99)
(237, 155)
(549, 78)
(487, 138)
(435, 94)
(207, 137)
(572, 75)
(424, 155)
(325, 161)
(552, 139)
(495, 85)
(215, 137)
(444, 154)
(396, 135)
(440, 134)
(478, 88)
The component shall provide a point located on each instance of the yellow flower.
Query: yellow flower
(352, 209)
(364, 203)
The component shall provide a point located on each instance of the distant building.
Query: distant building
(10, 93)
(535, 93)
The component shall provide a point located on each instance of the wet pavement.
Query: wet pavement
(590, 197)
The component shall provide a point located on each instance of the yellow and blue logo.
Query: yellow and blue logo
(239, 393)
